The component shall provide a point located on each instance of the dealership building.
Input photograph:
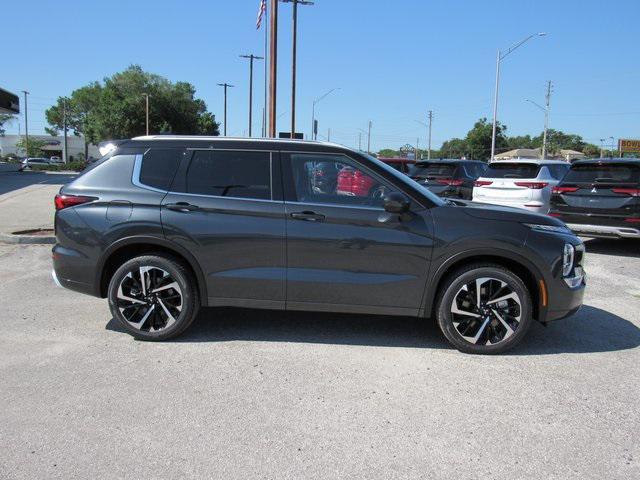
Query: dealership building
(53, 146)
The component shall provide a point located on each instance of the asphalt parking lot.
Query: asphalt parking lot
(248, 394)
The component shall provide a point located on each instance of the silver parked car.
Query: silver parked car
(27, 163)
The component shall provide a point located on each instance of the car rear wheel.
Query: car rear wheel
(154, 297)
(484, 308)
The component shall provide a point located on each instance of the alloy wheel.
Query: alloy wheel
(149, 299)
(486, 311)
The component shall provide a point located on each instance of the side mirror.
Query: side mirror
(396, 202)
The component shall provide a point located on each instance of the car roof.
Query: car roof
(600, 161)
(536, 161)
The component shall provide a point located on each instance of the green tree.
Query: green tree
(5, 118)
(35, 146)
(388, 152)
(115, 108)
(478, 139)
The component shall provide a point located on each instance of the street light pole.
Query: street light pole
(251, 58)
(293, 59)
(64, 129)
(545, 109)
(225, 85)
(273, 58)
(501, 56)
(429, 147)
(26, 123)
(369, 139)
(313, 112)
(146, 98)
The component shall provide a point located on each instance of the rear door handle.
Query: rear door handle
(308, 216)
(182, 207)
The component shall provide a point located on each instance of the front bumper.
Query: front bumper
(604, 231)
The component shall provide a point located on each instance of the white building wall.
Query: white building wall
(75, 145)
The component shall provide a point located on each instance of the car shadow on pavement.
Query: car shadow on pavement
(624, 247)
(590, 330)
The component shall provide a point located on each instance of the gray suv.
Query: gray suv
(164, 225)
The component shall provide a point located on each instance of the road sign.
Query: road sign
(9, 103)
(626, 145)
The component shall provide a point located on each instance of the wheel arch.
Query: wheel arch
(127, 248)
(525, 269)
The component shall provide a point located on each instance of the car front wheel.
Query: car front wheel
(154, 297)
(484, 308)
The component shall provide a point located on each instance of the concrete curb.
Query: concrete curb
(27, 239)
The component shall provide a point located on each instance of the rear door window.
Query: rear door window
(475, 170)
(512, 170)
(605, 173)
(558, 171)
(238, 174)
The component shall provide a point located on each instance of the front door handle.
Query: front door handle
(182, 207)
(308, 216)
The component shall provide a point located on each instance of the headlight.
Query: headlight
(548, 228)
(568, 255)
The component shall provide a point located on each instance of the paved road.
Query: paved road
(26, 199)
(248, 394)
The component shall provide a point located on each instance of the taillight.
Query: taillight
(64, 201)
(634, 192)
(564, 189)
(482, 183)
(449, 181)
(553, 214)
(533, 185)
(632, 220)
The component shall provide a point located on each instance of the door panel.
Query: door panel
(238, 242)
(354, 257)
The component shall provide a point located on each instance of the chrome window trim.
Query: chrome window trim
(337, 205)
(135, 178)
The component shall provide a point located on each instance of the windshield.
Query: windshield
(432, 170)
(405, 179)
(512, 170)
(605, 173)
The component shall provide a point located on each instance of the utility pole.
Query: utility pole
(328, 135)
(146, 98)
(429, 146)
(546, 120)
(369, 139)
(251, 58)
(273, 59)
(64, 129)
(359, 141)
(417, 148)
(293, 59)
(26, 123)
(225, 85)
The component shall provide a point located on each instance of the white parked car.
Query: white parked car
(31, 161)
(520, 183)
(56, 161)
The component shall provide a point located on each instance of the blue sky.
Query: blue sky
(392, 61)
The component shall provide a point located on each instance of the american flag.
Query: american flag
(261, 9)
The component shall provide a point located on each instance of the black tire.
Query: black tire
(490, 321)
(152, 328)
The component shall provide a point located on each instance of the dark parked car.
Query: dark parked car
(448, 178)
(164, 225)
(600, 198)
(401, 164)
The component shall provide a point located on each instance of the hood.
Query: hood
(508, 214)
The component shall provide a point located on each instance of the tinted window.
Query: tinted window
(240, 174)
(159, 166)
(558, 171)
(605, 173)
(336, 179)
(433, 170)
(512, 170)
(475, 170)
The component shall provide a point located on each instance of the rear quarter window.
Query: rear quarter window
(512, 170)
(159, 166)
